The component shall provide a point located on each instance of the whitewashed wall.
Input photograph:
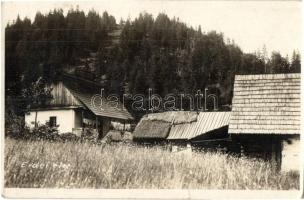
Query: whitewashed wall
(65, 119)
(291, 155)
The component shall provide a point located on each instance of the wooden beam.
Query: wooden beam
(212, 140)
(82, 117)
(96, 121)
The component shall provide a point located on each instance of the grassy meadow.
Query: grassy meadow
(43, 164)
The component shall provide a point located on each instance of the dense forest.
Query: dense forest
(164, 54)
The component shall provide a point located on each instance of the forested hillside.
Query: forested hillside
(131, 56)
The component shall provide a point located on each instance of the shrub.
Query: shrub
(89, 134)
(44, 131)
(69, 137)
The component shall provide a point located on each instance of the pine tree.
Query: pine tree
(295, 62)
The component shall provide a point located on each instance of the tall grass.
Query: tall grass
(68, 165)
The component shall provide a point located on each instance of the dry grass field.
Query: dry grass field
(42, 164)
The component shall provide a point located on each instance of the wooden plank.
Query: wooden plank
(262, 131)
(267, 104)
(266, 109)
(272, 113)
(265, 122)
(265, 117)
(266, 88)
(272, 91)
(268, 76)
(274, 84)
(267, 96)
(277, 100)
(269, 128)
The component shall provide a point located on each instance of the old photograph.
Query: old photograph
(184, 95)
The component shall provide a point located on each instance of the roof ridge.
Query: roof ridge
(265, 76)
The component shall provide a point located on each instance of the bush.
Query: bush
(89, 134)
(69, 137)
(44, 131)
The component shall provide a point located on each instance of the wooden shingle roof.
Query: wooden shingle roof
(101, 107)
(206, 122)
(266, 104)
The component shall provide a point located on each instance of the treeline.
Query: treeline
(46, 45)
(159, 53)
(171, 57)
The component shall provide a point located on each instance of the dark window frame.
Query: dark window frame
(53, 121)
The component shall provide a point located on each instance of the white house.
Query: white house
(71, 110)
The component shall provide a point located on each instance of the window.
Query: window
(53, 121)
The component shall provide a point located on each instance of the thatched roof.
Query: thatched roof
(206, 122)
(148, 129)
(173, 117)
(266, 104)
(157, 125)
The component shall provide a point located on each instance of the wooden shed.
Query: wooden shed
(265, 117)
(183, 127)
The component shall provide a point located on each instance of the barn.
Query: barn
(265, 118)
(183, 127)
(72, 110)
